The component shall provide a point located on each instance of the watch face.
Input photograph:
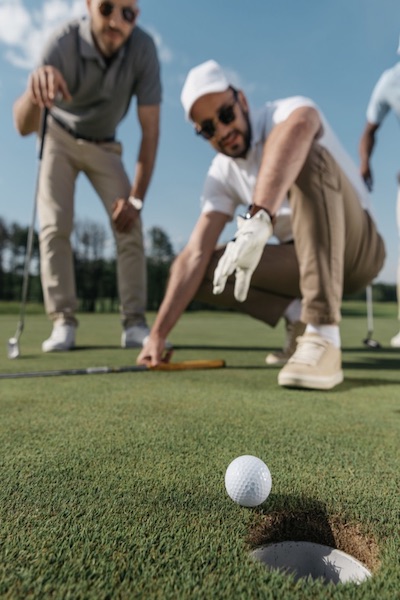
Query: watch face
(136, 203)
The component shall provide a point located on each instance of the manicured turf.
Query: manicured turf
(112, 486)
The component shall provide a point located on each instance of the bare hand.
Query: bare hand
(156, 350)
(124, 215)
(46, 84)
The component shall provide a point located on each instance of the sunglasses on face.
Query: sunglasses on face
(128, 14)
(225, 115)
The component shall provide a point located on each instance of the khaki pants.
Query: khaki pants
(63, 159)
(336, 250)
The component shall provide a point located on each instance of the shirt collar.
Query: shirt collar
(88, 48)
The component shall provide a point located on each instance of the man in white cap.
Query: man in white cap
(385, 97)
(284, 152)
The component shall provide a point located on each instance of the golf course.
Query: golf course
(112, 485)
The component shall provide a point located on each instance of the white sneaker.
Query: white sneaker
(62, 338)
(135, 336)
(316, 364)
(395, 341)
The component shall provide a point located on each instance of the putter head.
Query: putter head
(370, 343)
(13, 348)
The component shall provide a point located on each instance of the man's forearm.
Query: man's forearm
(187, 273)
(284, 155)
(366, 147)
(145, 167)
(26, 115)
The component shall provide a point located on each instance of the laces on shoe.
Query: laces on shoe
(308, 352)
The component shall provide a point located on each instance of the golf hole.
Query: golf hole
(312, 544)
(305, 559)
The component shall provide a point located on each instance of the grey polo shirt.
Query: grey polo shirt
(101, 94)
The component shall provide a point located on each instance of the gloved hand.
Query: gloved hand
(243, 254)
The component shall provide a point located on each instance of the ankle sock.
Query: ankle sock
(330, 333)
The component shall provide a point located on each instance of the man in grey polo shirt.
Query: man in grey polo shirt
(90, 70)
(384, 98)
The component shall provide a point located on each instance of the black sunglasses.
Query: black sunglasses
(225, 115)
(128, 14)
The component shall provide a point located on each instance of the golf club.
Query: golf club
(369, 341)
(13, 342)
(186, 365)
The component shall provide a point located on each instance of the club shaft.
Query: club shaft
(31, 232)
(189, 365)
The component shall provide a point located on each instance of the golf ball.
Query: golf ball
(248, 480)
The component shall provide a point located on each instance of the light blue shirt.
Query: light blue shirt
(385, 96)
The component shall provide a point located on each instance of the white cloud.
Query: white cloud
(23, 31)
(164, 52)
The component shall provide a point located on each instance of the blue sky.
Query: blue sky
(331, 51)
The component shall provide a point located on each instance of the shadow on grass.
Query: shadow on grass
(225, 348)
(99, 347)
(296, 518)
(368, 350)
(376, 364)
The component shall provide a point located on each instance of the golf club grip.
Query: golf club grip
(190, 365)
(43, 128)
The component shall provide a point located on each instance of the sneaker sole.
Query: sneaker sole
(312, 383)
(58, 349)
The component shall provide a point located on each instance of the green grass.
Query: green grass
(112, 486)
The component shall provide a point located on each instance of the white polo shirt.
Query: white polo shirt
(230, 182)
(385, 96)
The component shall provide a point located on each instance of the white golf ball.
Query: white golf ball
(248, 480)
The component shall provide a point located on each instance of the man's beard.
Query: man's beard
(246, 137)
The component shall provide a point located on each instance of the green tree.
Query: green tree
(160, 255)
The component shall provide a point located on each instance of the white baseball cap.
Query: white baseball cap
(206, 78)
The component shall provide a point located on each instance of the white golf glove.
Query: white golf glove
(243, 254)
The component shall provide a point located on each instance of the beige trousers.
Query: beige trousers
(336, 250)
(63, 159)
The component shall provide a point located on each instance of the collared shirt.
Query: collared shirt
(385, 96)
(230, 182)
(101, 93)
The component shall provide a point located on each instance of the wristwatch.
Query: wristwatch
(136, 202)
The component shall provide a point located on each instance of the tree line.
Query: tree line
(95, 265)
(95, 268)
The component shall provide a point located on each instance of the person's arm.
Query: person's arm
(45, 84)
(149, 120)
(284, 155)
(124, 214)
(187, 272)
(366, 146)
(285, 152)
